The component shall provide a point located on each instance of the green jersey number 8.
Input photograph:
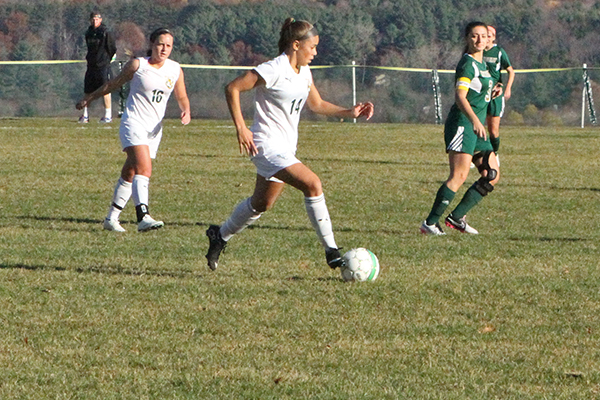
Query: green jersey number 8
(488, 95)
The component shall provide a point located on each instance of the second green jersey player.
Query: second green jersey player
(466, 138)
(497, 60)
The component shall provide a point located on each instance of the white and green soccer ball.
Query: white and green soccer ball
(361, 265)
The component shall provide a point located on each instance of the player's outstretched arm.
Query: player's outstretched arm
(182, 99)
(125, 76)
(320, 106)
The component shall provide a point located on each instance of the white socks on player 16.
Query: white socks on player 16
(120, 198)
(242, 216)
(140, 189)
(319, 218)
(107, 113)
(124, 190)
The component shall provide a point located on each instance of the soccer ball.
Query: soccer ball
(361, 265)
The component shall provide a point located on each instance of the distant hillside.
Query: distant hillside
(399, 33)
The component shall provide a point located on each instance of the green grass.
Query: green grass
(512, 313)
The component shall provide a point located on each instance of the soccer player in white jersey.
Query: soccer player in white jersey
(153, 79)
(283, 86)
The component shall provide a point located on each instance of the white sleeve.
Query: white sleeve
(268, 72)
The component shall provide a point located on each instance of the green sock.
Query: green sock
(469, 200)
(442, 200)
(495, 141)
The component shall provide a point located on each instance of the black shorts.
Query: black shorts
(94, 78)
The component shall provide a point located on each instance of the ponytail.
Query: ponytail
(293, 30)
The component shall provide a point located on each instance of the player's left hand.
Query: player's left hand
(363, 110)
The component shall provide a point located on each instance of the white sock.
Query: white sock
(85, 112)
(140, 189)
(240, 218)
(319, 218)
(107, 113)
(120, 198)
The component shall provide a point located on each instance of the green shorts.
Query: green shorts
(496, 107)
(460, 137)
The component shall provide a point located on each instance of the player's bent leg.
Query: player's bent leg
(302, 178)
(488, 167)
(246, 213)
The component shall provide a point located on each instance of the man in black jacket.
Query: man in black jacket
(101, 49)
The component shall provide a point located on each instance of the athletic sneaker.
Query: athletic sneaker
(431, 229)
(460, 225)
(83, 120)
(216, 244)
(334, 258)
(113, 225)
(105, 120)
(148, 223)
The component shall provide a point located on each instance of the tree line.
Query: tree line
(400, 33)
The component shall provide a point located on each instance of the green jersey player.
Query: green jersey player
(466, 138)
(497, 60)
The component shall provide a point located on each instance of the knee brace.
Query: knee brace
(483, 186)
(485, 165)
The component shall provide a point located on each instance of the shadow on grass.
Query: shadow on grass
(574, 189)
(550, 239)
(322, 279)
(63, 219)
(106, 270)
(117, 270)
(207, 224)
(321, 159)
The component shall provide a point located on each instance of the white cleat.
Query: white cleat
(113, 225)
(148, 223)
(105, 120)
(435, 230)
(460, 225)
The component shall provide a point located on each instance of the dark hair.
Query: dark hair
(292, 30)
(154, 36)
(469, 28)
(473, 24)
(94, 13)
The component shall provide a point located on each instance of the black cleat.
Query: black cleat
(215, 247)
(334, 258)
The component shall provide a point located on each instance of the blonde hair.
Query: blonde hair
(293, 30)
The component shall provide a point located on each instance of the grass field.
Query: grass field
(511, 313)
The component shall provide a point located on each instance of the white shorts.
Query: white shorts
(272, 162)
(132, 135)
